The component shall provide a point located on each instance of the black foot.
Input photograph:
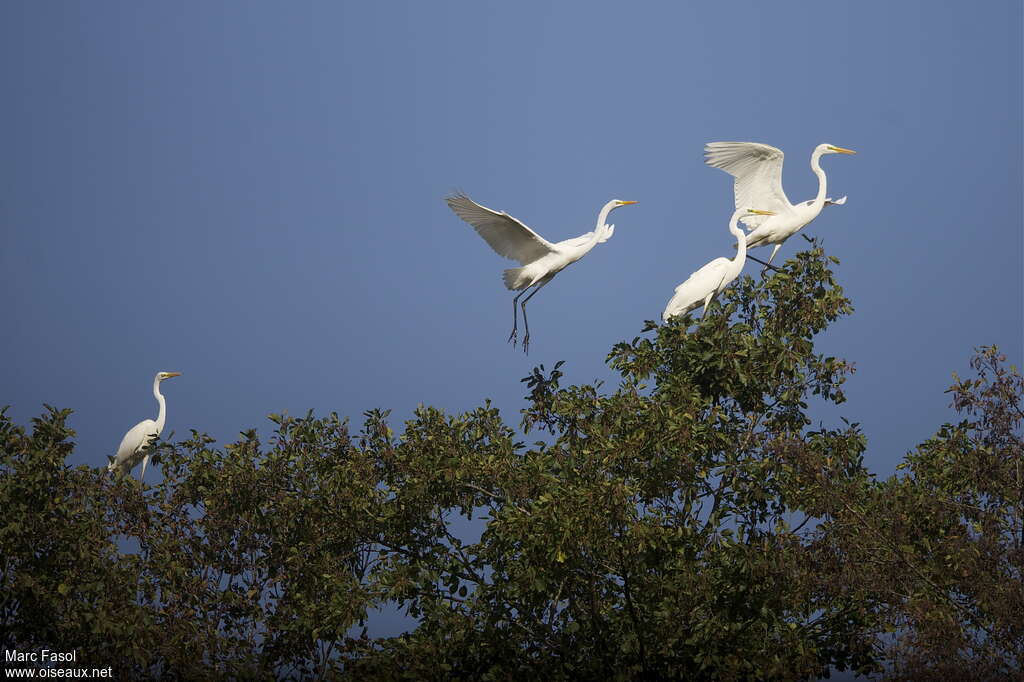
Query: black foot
(512, 337)
(526, 344)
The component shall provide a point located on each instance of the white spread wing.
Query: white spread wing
(506, 235)
(758, 172)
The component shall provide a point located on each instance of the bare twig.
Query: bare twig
(758, 260)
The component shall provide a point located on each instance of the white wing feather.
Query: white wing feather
(506, 235)
(128, 452)
(758, 172)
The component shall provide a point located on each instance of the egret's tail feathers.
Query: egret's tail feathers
(835, 202)
(516, 278)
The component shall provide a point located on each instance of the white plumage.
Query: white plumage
(758, 171)
(506, 235)
(133, 447)
(705, 284)
(540, 259)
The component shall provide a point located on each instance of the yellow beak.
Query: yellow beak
(172, 374)
(626, 203)
(754, 210)
(840, 150)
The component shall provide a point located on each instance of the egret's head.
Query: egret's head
(167, 375)
(832, 149)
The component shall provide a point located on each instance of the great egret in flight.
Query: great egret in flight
(758, 172)
(710, 280)
(541, 260)
(135, 442)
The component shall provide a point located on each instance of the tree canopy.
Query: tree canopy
(689, 523)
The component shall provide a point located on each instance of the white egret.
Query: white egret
(705, 284)
(541, 260)
(758, 172)
(134, 445)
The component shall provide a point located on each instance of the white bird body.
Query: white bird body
(783, 226)
(133, 446)
(758, 172)
(561, 255)
(540, 259)
(705, 284)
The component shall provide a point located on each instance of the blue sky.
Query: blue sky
(252, 194)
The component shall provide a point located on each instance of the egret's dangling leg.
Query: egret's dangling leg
(515, 319)
(526, 323)
(145, 461)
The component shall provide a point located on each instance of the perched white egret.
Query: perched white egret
(710, 280)
(758, 172)
(541, 260)
(133, 445)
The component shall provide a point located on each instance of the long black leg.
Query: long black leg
(515, 321)
(526, 323)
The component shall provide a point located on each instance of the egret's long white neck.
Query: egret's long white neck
(601, 231)
(741, 239)
(163, 405)
(819, 200)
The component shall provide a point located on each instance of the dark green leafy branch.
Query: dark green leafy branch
(689, 524)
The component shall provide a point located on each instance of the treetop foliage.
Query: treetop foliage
(689, 524)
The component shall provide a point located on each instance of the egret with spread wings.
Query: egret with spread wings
(758, 172)
(705, 284)
(135, 444)
(540, 259)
